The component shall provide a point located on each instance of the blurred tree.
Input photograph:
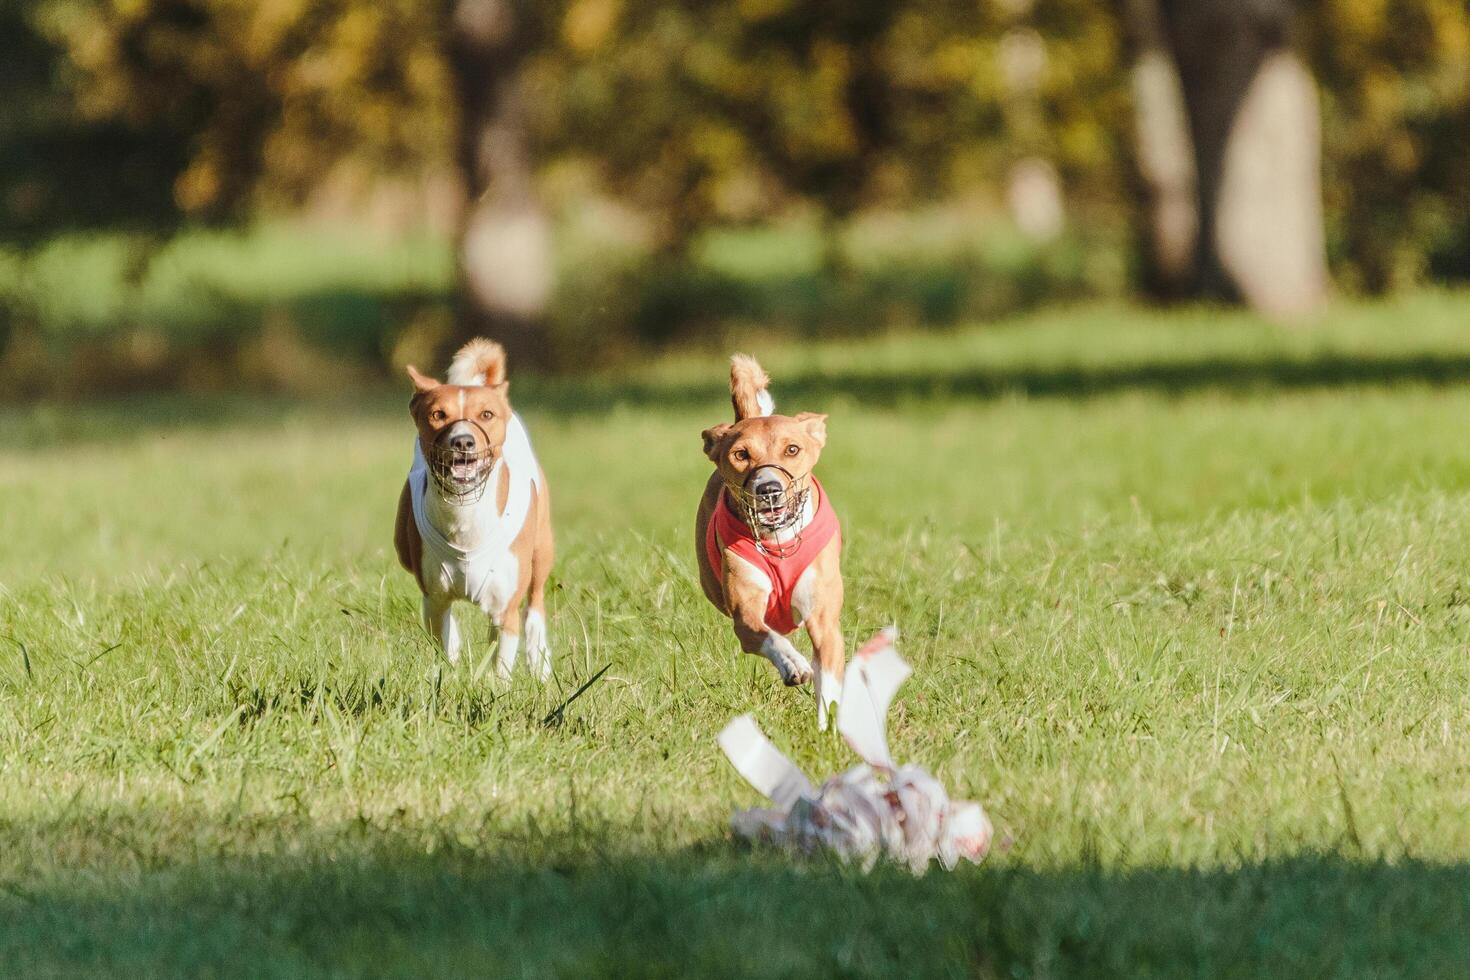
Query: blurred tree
(258, 103)
(1168, 208)
(260, 100)
(64, 169)
(1396, 79)
(143, 113)
(505, 263)
(1254, 131)
(704, 112)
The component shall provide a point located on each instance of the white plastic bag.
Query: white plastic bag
(874, 809)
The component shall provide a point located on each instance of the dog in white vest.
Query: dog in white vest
(474, 517)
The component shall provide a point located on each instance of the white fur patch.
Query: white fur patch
(765, 401)
(803, 598)
(505, 655)
(538, 652)
(829, 692)
(462, 370)
(738, 567)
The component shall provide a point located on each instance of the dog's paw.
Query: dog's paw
(538, 652)
(540, 666)
(800, 673)
(794, 669)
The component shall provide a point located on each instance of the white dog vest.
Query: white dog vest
(487, 574)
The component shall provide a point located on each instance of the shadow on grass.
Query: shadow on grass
(130, 419)
(719, 913)
(894, 388)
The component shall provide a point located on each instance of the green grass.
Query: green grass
(91, 285)
(1187, 598)
(80, 286)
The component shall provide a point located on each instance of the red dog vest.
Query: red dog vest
(784, 573)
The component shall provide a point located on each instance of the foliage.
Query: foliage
(142, 113)
(1396, 91)
(260, 101)
(717, 112)
(696, 112)
(61, 169)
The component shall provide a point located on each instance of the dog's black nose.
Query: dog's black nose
(462, 442)
(769, 487)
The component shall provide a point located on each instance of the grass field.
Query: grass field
(1187, 597)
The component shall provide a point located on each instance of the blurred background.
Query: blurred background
(205, 194)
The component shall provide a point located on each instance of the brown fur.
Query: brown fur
(737, 450)
(406, 540)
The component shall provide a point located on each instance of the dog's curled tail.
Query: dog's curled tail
(749, 388)
(480, 362)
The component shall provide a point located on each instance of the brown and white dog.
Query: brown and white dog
(768, 541)
(474, 518)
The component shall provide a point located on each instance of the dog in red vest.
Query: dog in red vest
(767, 538)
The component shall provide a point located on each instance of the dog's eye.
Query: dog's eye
(438, 415)
(741, 455)
(792, 449)
(487, 415)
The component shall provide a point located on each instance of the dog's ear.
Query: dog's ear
(713, 438)
(815, 424)
(421, 382)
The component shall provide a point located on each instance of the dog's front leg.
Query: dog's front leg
(831, 661)
(509, 647)
(818, 601)
(439, 620)
(746, 592)
(756, 638)
(538, 651)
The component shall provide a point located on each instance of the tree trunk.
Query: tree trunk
(1256, 135)
(1165, 157)
(505, 266)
